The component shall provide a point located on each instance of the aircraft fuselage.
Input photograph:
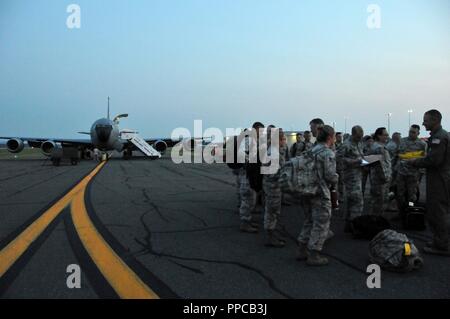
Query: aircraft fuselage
(105, 135)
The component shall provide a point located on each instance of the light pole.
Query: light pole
(345, 125)
(389, 122)
(410, 111)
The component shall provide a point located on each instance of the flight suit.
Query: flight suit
(317, 209)
(437, 164)
(408, 177)
(352, 177)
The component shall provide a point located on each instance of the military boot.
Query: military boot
(315, 259)
(271, 240)
(247, 227)
(302, 252)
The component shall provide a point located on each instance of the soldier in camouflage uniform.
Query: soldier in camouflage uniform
(317, 209)
(339, 167)
(367, 145)
(339, 140)
(298, 147)
(408, 177)
(349, 157)
(236, 173)
(392, 147)
(437, 164)
(380, 172)
(272, 193)
(247, 194)
(307, 143)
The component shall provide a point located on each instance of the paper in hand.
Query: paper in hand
(370, 159)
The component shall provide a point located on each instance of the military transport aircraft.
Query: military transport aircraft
(105, 136)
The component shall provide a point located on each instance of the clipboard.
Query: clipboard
(371, 159)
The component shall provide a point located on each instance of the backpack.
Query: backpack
(288, 176)
(368, 226)
(394, 252)
(300, 176)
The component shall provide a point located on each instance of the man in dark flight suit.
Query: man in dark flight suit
(437, 164)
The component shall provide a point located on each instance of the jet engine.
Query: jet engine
(47, 147)
(15, 145)
(160, 146)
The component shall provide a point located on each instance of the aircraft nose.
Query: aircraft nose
(103, 132)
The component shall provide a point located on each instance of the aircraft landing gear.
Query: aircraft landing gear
(127, 154)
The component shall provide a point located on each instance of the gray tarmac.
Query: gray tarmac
(178, 224)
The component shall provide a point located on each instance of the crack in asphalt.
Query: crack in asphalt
(194, 270)
(195, 230)
(28, 172)
(171, 171)
(153, 205)
(38, 183)
(282, 229)
(211, 177)
(201, 220)
(194, 191)
(148, 249)
(23, 203)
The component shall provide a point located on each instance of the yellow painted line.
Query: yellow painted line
(123, 280)
(11, 253)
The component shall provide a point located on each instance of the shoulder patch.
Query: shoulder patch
(435, 141)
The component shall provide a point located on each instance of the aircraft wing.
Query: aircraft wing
(34, 141)
(168, 141)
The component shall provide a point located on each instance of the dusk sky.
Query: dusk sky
(226, 62)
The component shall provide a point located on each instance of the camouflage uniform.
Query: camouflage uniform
(284, 151)
(236, 173)
(380, 176)
(340, 171)
(392, 148)
(308, 146)
(297, 149)
(365, 169)
(352, 177)
(248, 198)
(317, 209)
(247, 194)
(408, 177)
(272, 193)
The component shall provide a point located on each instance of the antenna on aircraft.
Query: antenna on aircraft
(108, 107)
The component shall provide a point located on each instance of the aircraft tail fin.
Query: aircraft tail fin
(108, 109)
